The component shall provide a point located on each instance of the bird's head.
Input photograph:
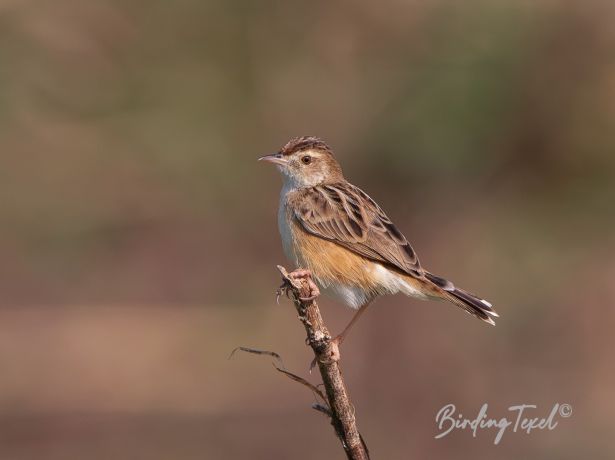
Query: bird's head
(306, 162)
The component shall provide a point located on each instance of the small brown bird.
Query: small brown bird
(352, 249)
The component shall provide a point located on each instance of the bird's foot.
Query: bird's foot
(335, 343)
(300, 273)
(306, 275)
(334, 351)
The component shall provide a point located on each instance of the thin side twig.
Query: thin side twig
(278, 364)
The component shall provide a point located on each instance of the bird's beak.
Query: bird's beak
(276, 158)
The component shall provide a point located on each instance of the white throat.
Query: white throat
(290, 182)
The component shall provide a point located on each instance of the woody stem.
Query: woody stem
(341, 408)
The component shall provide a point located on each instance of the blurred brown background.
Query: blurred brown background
(138, 241)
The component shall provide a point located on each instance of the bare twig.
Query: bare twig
(256, 351)
(302, 381)
(303, 293)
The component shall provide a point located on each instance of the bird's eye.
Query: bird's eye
(306, 159)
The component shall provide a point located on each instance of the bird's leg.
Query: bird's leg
(337, 341)
(340, 338)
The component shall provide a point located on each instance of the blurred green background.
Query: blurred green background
(139, 241)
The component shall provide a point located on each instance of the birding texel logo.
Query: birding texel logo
(523, 420)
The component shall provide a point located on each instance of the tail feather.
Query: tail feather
(471, 303)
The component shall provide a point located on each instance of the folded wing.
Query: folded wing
(346, 215)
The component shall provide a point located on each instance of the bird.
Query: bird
(345, 242)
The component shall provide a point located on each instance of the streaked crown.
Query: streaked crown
(299, 144)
